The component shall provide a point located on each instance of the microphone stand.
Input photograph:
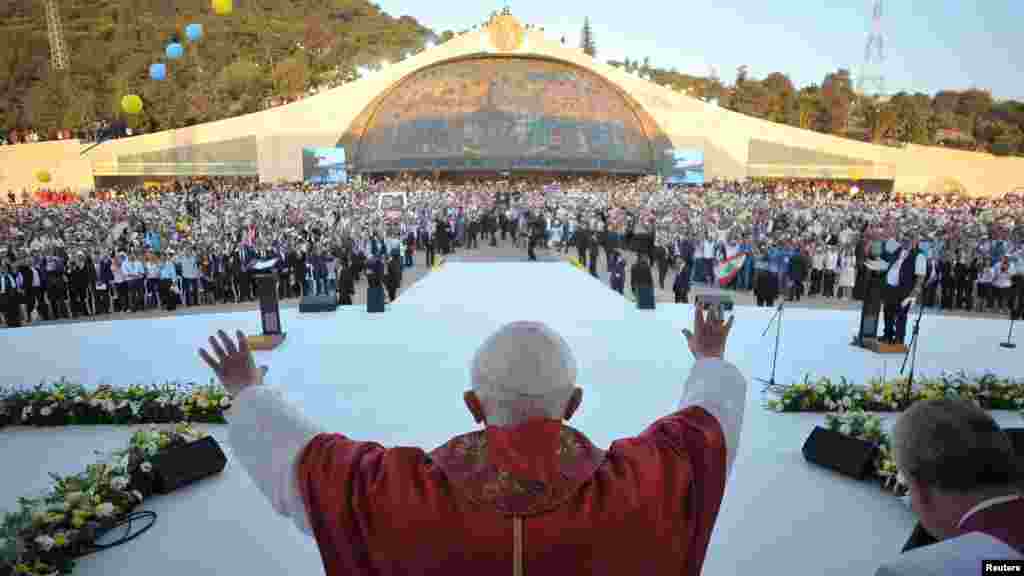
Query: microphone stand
(912, 356)
(1009, 337)
(777, 319)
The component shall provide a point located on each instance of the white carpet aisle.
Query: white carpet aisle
(398, 378)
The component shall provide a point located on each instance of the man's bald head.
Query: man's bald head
(524, 370)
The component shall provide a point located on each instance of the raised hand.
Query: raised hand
(710, 333)
(234, 365)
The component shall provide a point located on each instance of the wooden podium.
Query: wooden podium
(265, 276)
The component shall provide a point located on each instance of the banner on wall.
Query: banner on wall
(324, 165)
(687, 167)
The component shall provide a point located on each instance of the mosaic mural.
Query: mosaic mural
(503, 114)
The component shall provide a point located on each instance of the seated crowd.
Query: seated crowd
(137, 247)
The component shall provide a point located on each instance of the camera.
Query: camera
(722, 302)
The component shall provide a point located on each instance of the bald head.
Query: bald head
(524, 370)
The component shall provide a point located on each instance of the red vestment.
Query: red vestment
(1004, 522)
(646, 506)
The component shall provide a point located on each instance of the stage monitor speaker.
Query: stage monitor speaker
(182, 465)
(844, 454)
(375, 299)
(324, 303)
(645, 297)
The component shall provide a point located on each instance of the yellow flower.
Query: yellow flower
(54, 517)
(78, 522)
(23, 569)
(60, 539)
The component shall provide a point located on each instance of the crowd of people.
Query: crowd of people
(192, 241)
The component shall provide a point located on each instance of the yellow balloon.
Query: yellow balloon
(131, 104)
(223, 7)
(43, 176)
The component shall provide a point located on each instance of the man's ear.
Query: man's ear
(574, 402)
(475, 407)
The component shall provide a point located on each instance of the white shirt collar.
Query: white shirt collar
(987, 504)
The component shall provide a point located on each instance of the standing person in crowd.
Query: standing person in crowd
(10, 294)
(168, 283)
(617, 272)
(904, 282)
(152, 278)
(830, 271)
(189, 277)
(766, 278)
(640, 275)
(104, 283)
(847, 274)
(324, 482)
(79, 277)
(661, 254)
(1002, 285)
(346, 284)
(681, 284)
(33, 274)
(798, 264)
(817, 270)
(57, 291)
(137, 282)
(986, 274)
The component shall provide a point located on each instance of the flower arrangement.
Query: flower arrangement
(63, 403)
(868, 427)
(45, 535)
(824, 395)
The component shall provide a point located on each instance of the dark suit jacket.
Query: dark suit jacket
(640, 275)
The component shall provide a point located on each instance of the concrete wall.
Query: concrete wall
(62, 159)
(725, 136)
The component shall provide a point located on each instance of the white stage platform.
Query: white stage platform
(398, 377)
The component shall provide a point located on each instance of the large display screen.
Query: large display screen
(504, 114)
(687, 167)
(324, 165)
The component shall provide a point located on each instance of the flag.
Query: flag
(727, 269)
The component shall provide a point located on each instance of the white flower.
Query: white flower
(44, 542)
(137, 495)
(122, 404)
(119, 482)
(73, 498)
(109, 405)
(26, 413)
(45, 411)
(105, 509)
(95, 402)
(146, 467)
(225, 402)
(203, 403)
(830, 404)
(845, 428)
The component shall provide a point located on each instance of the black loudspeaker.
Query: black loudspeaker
(871, 309)
(645, 297)
(844, 454)
(324, 303)
(1016, 440)
(182, 465)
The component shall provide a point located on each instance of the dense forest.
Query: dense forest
(269, 50)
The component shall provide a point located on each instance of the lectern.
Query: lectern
(265, 275)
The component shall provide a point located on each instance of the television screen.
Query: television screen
(687, 167)
(324, 165)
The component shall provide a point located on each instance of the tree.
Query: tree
(837, 98)
(290, 76)
(809, 106)
(587, 39)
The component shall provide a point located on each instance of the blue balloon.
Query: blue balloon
(158, 71)
(175, 51)
(194, 32)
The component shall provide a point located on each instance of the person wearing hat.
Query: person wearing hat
(527, 493)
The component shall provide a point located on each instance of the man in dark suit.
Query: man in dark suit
(34, 277)
(681, 285)
(661, 258)
(640, 275)
(426, 242)
(617, 272)
(346, 287)
(394, 277)
(582, 242)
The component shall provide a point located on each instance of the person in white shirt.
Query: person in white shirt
(189, 276)
(817, 270)
(831, 271)
(985, 293)
(1002, 283)
(961, 471)
(904, 282)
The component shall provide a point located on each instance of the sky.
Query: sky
(930, 45)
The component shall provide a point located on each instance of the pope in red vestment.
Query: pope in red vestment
(526, 494)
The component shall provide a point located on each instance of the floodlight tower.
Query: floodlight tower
(55, 32)
(871, 81)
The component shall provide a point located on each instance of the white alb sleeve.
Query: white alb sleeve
(720, 388)
(268, 436)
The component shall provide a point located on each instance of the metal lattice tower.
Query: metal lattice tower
(55, 32)
(871, 81)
